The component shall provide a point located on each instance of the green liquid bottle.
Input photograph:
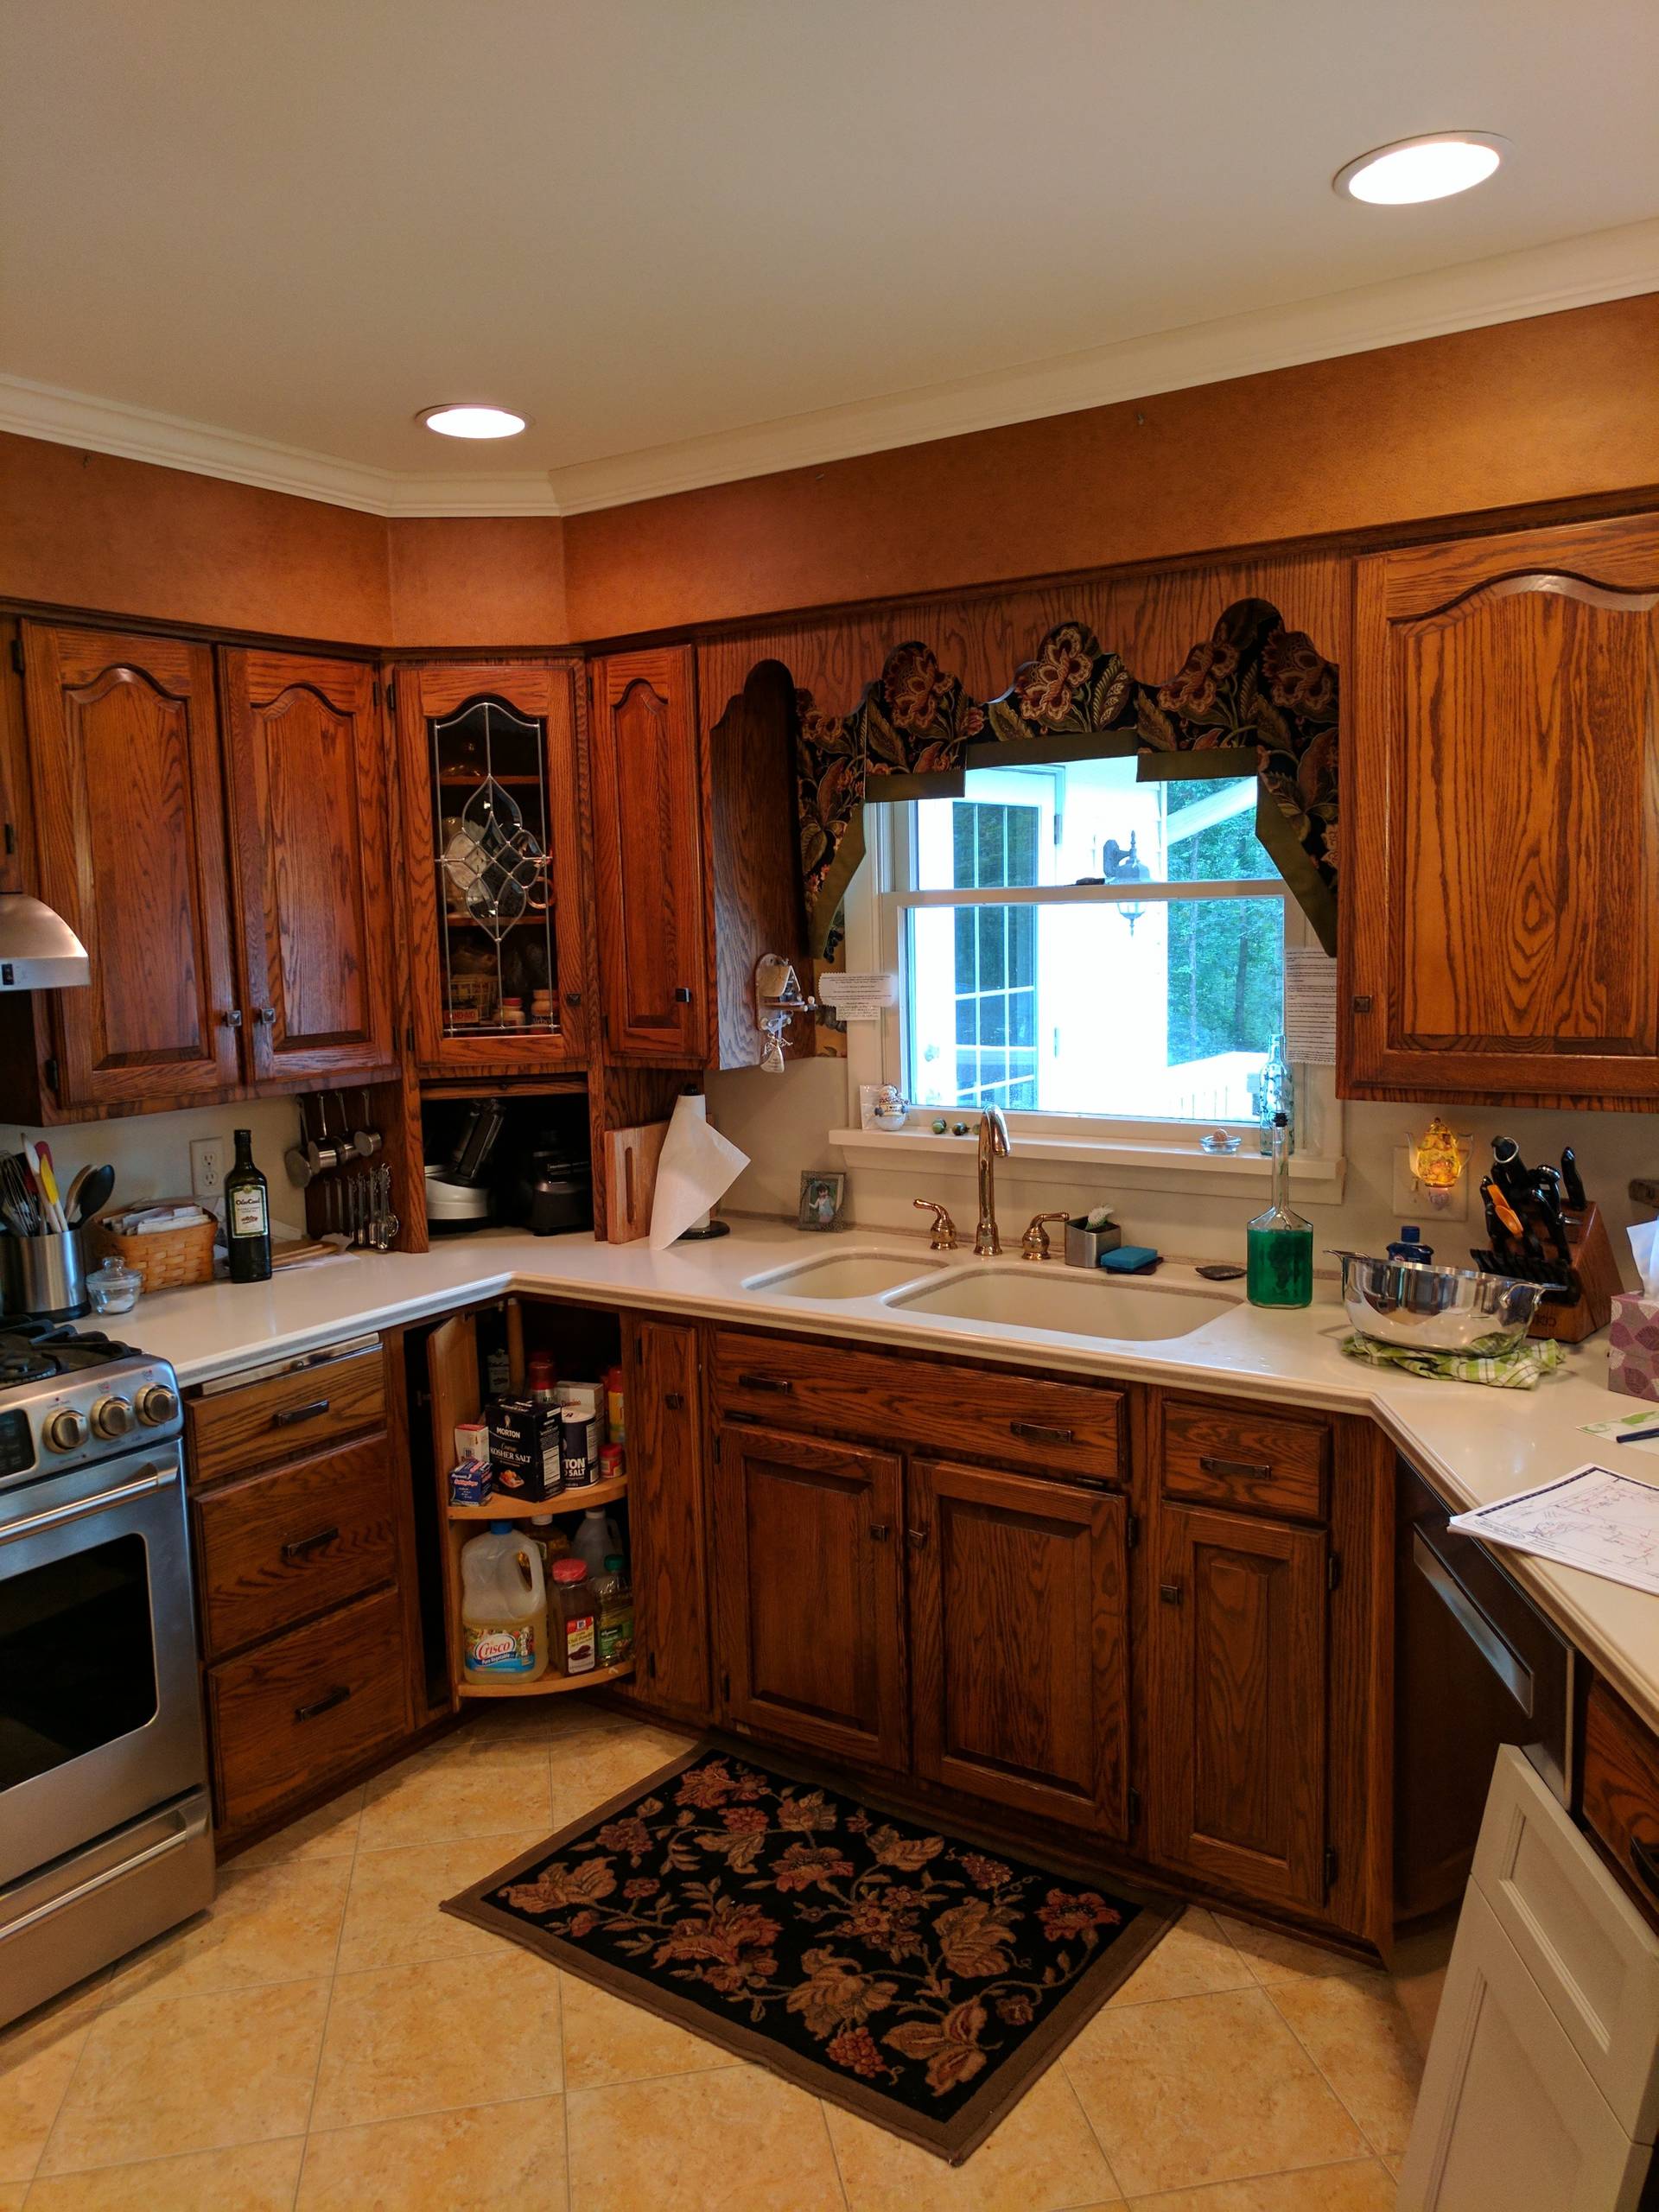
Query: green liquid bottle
(1279, 1254)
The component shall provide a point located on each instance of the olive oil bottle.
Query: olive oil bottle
(247, 1216)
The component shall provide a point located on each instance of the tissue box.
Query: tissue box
(1633, 1346)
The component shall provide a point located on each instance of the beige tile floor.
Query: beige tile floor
(326, 2039)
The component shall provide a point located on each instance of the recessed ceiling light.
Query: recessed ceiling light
(1421, 168)
(471, 421)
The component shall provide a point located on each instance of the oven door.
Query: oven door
(100, 1706)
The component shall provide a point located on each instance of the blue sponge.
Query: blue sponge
(1130, 1259)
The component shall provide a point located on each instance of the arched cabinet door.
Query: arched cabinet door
(1500, 933)
(306, 789)
(655, 913)
(123, 755)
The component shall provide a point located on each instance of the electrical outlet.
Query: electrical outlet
(207, 1167)
(1412, 1202)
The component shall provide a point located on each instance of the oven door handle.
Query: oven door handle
(79, 1508)
(186, 1831)
(1473, 1620)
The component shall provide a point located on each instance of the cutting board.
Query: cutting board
(630, 1158)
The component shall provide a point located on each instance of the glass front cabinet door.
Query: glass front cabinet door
(488, 753)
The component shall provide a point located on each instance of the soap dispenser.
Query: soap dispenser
(1279, 1244)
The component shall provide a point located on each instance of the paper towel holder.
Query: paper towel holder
(777, 1000)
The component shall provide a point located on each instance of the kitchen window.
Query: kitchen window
(1100, 956)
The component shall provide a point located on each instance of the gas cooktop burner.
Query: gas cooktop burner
(31, 1351)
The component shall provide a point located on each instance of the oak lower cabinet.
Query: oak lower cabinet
(1018, 1620)
(810, 1593)
(302, 1533)
(1237, 1704)
(668, 1516)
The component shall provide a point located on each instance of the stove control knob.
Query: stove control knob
(157, 1404)
(66, 1431)
(113, 1417)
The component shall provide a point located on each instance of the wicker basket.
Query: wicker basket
(167, 1259)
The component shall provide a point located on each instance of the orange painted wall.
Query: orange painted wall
(478, 581)
(1560, 406)
(85, 530)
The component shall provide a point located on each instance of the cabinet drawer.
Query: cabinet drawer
(1621, 1789)
(234, 1430)
(1016, 1420)
(293, 1541)
(306, 1705)
(1251, 1462)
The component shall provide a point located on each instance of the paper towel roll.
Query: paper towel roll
(698, 1166)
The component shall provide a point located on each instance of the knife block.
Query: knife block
(1596, 1272)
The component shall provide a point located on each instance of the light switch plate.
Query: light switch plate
(1413, 1203)
(207, 1167)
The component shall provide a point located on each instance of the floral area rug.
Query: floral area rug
(898, 1969)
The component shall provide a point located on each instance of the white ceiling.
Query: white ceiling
(697, 239)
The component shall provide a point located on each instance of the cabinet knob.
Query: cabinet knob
(879, 1532)
(683, 994)
(266, 1017)
(675, 1401)
(916, 1538)
(232, 1017)
(573, 998)
(1170, 1592)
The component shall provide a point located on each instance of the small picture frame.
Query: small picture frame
(823, 1194)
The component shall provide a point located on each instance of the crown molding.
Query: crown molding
(1506, 287)
(73, 418)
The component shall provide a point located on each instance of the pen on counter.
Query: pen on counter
(1634, 1436)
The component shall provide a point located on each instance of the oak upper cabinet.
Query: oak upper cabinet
(306, 791)
(1236, 1711)
(1500, 933)
(496, 936)
(129, 839)
(668, 1515)
(810, 1638)
(655, 914)
(1019, 1614)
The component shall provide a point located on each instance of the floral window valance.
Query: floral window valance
(1253, 698)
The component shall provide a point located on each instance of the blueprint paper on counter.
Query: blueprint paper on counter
(1605, 1523)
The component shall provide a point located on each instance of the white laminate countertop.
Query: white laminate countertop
(1474, 1444)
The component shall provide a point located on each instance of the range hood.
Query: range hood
(38, 951)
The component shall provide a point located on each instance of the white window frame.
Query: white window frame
(1161, 1154)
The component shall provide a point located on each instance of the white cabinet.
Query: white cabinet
(1542, 2088)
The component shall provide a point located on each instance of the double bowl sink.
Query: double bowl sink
(1007, 1293)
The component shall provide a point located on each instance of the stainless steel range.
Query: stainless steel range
(104, 1834)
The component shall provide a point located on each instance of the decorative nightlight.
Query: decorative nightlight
(1437, 1160)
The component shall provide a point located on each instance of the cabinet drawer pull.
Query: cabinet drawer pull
(1248, 1470)
(1170, 1592)
(879, 1532)
(779, 1383)
(290, 1416)
(675, 1401)
(1034, 1432)
(1645, 1860)
(327, 1703)
(303, 1546)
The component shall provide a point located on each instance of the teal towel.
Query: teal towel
(1129, 1259)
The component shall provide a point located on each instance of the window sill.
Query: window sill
(1142, 1166)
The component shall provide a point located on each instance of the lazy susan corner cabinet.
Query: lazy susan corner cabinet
(494, 854)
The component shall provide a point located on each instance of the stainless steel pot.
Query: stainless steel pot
(1434, 1309)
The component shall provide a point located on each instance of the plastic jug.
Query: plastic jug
(596, 1536)
(503, 1607)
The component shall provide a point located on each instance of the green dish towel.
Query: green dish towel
(1505, 1368)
